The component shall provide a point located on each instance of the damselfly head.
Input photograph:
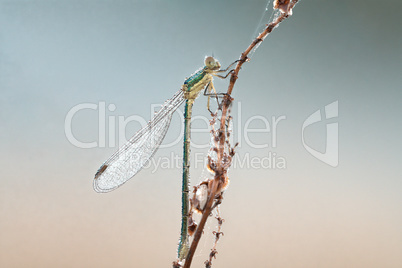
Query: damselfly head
(212, 63)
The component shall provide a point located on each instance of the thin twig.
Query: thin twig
(217, 234)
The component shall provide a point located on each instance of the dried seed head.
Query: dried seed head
(220, 220)
(192, 226)
(200, 197)
(177, 264)
(217, 234)
(213, 254)
(283, 6)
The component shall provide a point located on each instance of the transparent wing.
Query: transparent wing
(133, 155)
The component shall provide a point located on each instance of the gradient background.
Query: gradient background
(57, 54)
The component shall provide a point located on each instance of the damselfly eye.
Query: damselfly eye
(210, 61)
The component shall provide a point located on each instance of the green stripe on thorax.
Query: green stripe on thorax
(196, 82)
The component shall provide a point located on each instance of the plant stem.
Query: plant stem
(216, 186)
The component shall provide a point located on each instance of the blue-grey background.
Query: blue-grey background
(55, 55)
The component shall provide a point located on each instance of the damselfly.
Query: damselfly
(133, 155)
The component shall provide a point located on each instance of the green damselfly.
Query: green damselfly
(132, 156)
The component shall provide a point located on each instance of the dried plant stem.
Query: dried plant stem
(216, 186)
(206, 213)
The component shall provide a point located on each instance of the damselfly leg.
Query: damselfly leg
(208, 92)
